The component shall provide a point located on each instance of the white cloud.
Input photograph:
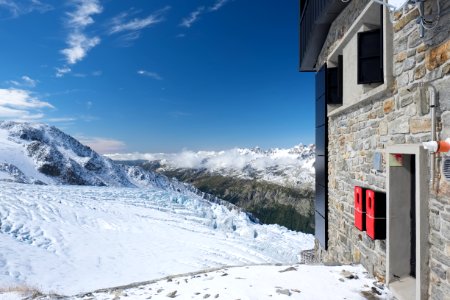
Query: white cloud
(79, 43)
(21, 104)
(153, 75)
(193, 17)
(18, 8)
(82, 16)
(188, 21)
(130, 27)
(60, 72)
(120, 24)
(29, 82)
(102, 145)
(218, 5)
(59, 120)
(18, 114)
(25, 81)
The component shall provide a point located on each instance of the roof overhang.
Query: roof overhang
(315, 21)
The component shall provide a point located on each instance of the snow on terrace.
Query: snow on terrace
(69, 240)
(305, 282)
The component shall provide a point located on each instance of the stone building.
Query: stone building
(382, 89)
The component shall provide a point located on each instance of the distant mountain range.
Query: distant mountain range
(293, 167)
(276, 185)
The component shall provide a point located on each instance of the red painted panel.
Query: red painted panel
(360, 220)
(360, 208)
(358, 198)
(376, 228)
(376, 215)
(376, 204)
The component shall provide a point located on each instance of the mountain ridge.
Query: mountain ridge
(36, 153)
(292, 167)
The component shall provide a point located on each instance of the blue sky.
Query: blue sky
(157, 76)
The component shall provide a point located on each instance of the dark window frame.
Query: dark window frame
(335, 82)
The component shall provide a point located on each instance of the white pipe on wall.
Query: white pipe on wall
(432, 92)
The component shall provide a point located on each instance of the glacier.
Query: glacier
(72, 239)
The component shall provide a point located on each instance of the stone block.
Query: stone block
(422, 99)
(414, 39)
(436, 240)
(418, 125)
(422, 48)
(439, 270)
(412, 15)
(445, 124)
(433, 75)
(400, 57)
(443, 87)
(419, 72)
(399, 125)
(420, 57)
(400, 44)
(388, 105)
(403, 80)
(398, 69)
(438, 56)
(440, 257)
(445, 217)
(409, 64)
(406, 101)
(445, 232)
(446, 69)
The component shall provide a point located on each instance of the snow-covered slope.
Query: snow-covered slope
(38, 153)
(288, 167)
(70, 239)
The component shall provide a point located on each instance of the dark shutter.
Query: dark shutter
(334, 83)
(321, 202)
(370, 57)
(341, 79)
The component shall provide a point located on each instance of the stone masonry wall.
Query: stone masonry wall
(339, 27)
(400, 116)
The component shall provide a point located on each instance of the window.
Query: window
(335, 83)
(370, 57)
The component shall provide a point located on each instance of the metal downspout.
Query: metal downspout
(432, 91)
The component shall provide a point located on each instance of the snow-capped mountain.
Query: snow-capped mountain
(288, 167)
(42, 154)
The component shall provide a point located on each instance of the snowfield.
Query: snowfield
(68, 239)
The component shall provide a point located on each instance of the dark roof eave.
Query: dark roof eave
(319, 34)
